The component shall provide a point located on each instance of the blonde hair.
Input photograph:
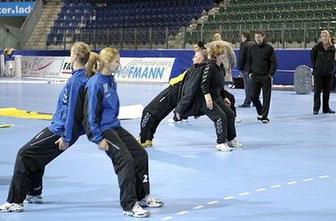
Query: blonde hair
(106, 56)
(82, 50)
(92, 64)
(217, 37)
(329, 35)
(325, 32)
(216, 48)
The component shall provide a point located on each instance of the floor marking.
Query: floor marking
(198, 207)
(213, 202)
(244, 194)
(323, 177)
(260, 189)
(229, 197)
(291, 182)
(182, 212)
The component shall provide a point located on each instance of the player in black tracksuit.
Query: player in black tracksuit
(222, 116)
(209, 81)
(158, 109)
(166, 101)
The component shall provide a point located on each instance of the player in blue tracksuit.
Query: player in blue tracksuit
(101, 123)
(65, 128)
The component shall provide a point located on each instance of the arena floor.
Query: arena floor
(285, 171)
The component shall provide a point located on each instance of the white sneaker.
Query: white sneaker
(151, 202)
(238, 120)
(137, 211)
(34, 199)
(224, 147)
(11, 207)
(234, 143)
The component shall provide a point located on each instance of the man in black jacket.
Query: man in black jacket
(261, 64)
(245, 46)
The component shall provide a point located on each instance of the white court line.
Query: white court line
(166, 218)
(244, 194)
(260, 189)
(213, 202)
(291, 182)
(198, 207)
(323, 177)
(182, 212)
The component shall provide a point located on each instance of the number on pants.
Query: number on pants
(145, 180)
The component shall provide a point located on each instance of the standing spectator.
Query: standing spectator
(245, 46)
(9, 62)
(261, 64)
(229, 58)
(322, 57)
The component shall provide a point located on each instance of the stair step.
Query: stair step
(38, 37)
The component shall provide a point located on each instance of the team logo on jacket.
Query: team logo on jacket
(105, 86)
(106, 90)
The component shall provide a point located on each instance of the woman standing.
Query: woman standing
(322, 57)
(65, 128)
(212, 104)
(102, 126)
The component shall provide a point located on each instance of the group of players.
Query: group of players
(89, 104)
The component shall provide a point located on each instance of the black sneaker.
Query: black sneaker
(259, 117)
(329, 111)
(315, 112)
(244, 105)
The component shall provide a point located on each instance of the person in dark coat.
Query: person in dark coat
(261, 64)
(323, 59)
(245, 46)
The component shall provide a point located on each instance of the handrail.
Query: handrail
(30, 22)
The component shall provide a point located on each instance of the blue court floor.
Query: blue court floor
(285, 171)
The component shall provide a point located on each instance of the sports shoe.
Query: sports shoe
(151, 202)
(238, 120)
(11, 207)
(265, 120)
(137, 211)
(259, 117)
(329, 111)
(34, 199)
(244, 105)
(234, 143)
(224, 147)
(149, 143)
